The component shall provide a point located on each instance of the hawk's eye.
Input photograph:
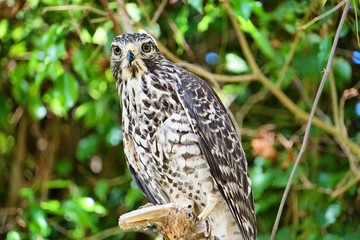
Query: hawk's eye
(117, 51)
(146, 47)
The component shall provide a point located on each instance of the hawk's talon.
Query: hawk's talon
(209, 207)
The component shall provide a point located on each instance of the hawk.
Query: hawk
(180, 143)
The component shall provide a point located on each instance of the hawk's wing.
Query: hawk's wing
(221, 145)
(143, 185)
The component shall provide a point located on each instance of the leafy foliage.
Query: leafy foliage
(62, 169)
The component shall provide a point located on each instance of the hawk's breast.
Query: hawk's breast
(164, 150)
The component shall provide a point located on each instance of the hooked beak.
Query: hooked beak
(130, 56)
(130, 53)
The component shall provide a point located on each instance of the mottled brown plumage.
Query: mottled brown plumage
(180, 143)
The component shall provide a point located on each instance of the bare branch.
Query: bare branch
(75, 8)
(309, 124)
(303, 27)
(171, 221)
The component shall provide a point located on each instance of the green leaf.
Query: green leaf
(4, 26)
(101, 189)
(204, 23)
(17, 33)
(89, 205)
(75, 213)
(37, 109)
(342, 69)
(134, 11)
(132, 197)
(18, 50)
(93, 112)
(332, 213)
(235, 64)
(87, 147)
(243, 8)
(13, 235)
(64, 167)
(63, 95)
(39, 223)
(78, 63)
(260, 37)
(261, 181)
(100, 36)
(28, 194)
(53, 206)
(85, 35)
(324, 51)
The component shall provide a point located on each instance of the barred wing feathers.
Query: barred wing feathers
(221, 146)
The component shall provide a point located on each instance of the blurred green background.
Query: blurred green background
(62, 168)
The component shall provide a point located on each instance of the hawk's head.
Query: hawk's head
(132, 55)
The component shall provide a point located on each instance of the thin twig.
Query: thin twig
(105, 4)
(241, 38)
(107, 233)
(123, 17)
(288, 59)
(75, 7)
(303, 27)
(216, 77)
(76, 25)
(334, 100)
(356, 24)
(158, 12)
(145, 13)
(344, 188)
(308, 126)
(184, 43)
(16, 180)
(268, 84)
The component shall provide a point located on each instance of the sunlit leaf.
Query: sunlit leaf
(18, 50)
(39, 223)
(53, 206)
(4, 24)
(75, 213)
(37, 109)
(100, 36)
(88, 204)
(332, 213)
(235, 64)
(204, 23)
(134, 11)
(85, 35)
(259, 36)
(13, 235)
(63, 95)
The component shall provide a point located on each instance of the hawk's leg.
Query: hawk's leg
(211, 202)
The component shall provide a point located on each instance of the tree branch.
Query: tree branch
(308, 127)
(171, 221)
